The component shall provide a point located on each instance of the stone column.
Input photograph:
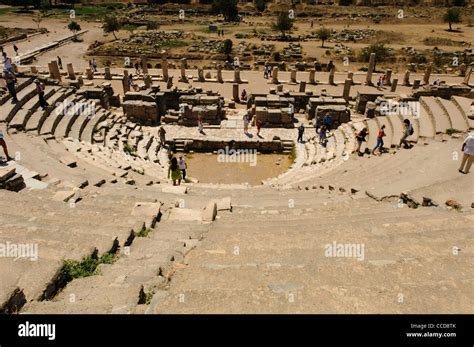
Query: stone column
(462, 70)
(201, 75)
(80, 80)
(33, 70)
(235, 92)
(125, 85)
(347, 89)
(107, 74)
(393, 87)
(370, 70)
(54, 70)
(388, 75)
(70, 71)
(183, 77)
(219, 74)
(406, 78)
(237, 75)
(311, 76)
(302, 86)
(275, 75)
(416, 84)
(331, 76)
(89, 74)
(164, 69)
(143, 61)
(293, 76)
(279, 88)
(350, 76)
(468, 75)
(426, 78)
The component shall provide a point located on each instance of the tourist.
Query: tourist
(7, 62)
(182, 166)
(246, 120)
(270, 70)
(40, 90)
(468, 154)
(330, 66)
(327, 121)
(380, 137)
(407, 131)
(323, 135)
(4, 146)
(265, 72)
(380, 82)
(131, 83)
(360, 137)
(312, 24)
(174, 172)
(259, 124)
(94, 64)
(300, 133)
(243, 96)
(200, 123)
(162, 134)
(137, 68)
(10, 81)
(15, 48)
(60, 62)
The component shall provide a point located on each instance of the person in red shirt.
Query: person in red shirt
(380, 137)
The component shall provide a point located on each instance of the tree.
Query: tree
(260, 5)
(452, 15)
(345, 2)
(382, 53)
(459, 3)
(111, 25)
(74, 27)
(283, 23)
(323, 34)
(38, 19)
(227, 47)
(228, 8)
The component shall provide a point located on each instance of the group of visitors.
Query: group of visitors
(268, 71)
(381, 81)
(177, 170)
(408, 130)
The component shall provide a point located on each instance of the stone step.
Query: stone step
(458, 120)
(36, 120)
(85, 107)
(81, 122)
(87, 133)
(56, 116)
(20, 85)
(441, 120)
(22, 115)
(426, 123)
(8, 110)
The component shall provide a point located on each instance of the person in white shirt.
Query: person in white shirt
(3, 144)
(468, 155)
(182, 166)
(7, 63)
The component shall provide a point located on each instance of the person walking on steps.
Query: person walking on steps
(246, 120)
(15, 48)
(60, 62)
(360, 137)
(407, 131)
(182, 166)
(200, 123)
(7, 62)
(300, 133)
(323, 135)
(40, 91)
(3, 144)
(174, 173)
(162, 134)
(259, 124)
(468, 154)
(10, 80)
(380, 137)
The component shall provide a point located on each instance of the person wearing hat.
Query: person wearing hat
(40, 91)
